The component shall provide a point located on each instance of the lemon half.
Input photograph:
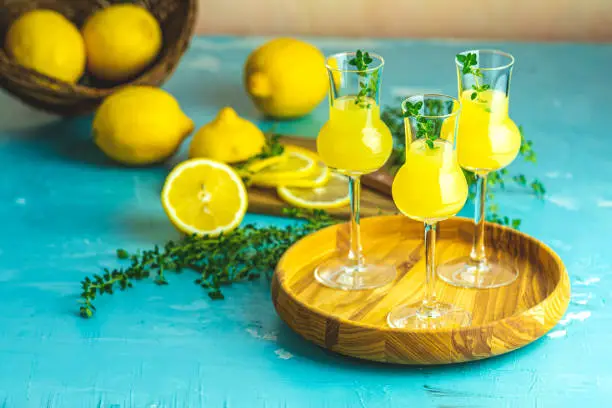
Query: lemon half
(204, 197)
(228, 138)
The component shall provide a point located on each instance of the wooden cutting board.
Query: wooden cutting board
(375, 194)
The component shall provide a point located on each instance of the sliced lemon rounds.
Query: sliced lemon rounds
(334, 194)
(300, 163)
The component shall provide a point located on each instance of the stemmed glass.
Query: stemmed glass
(354, 141)
(430, 187)
(487, 140)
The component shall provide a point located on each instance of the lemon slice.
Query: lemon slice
(300, 163)
(204, 197)
(262, 164)
(333, 195)
(319, 178)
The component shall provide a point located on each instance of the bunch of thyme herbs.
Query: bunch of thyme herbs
(242, 254)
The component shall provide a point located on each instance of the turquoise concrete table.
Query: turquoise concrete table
(64, 209)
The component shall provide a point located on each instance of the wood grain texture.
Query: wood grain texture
(588, 20)
(354, 323)
(374, 201)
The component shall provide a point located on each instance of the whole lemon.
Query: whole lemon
(121, 40)
(140, 125)
(228, 138)
(47, 42)
(286, 77)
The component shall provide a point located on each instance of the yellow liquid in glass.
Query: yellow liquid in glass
(354, 140)
(487, 138)
(430, 186)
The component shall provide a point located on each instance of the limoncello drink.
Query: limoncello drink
(430, 186)
(487, 139)
(354, 140)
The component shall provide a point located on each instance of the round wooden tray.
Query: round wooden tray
(354, 323)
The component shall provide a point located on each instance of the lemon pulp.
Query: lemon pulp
(204, 197)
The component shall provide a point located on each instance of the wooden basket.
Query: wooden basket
(177, 20)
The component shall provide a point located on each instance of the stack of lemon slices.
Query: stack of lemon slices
(207, 197)
(301, 179)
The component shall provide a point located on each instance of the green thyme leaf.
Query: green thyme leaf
(470, 61)
(425, 128)
(367, 88)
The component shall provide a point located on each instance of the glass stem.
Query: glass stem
(355, 253)
(429, 301)
(478, 249)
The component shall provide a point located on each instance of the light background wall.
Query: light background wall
(554, 20)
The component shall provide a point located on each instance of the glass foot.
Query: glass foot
(469, 274)
(440, 316)
(337, 273)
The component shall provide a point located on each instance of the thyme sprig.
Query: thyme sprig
(425, 128)
(272, 148)
(470, 63)
(367, 87)
(242, 254)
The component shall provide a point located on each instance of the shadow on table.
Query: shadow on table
(299, 347)
(74, 142)
(16, 115)
(151, 226)
(64, 138)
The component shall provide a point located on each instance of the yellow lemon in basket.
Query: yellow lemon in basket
(121, 40)
(204, 197)
(140, 125)
(286, 77)
(228, 138)
(47, 42)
